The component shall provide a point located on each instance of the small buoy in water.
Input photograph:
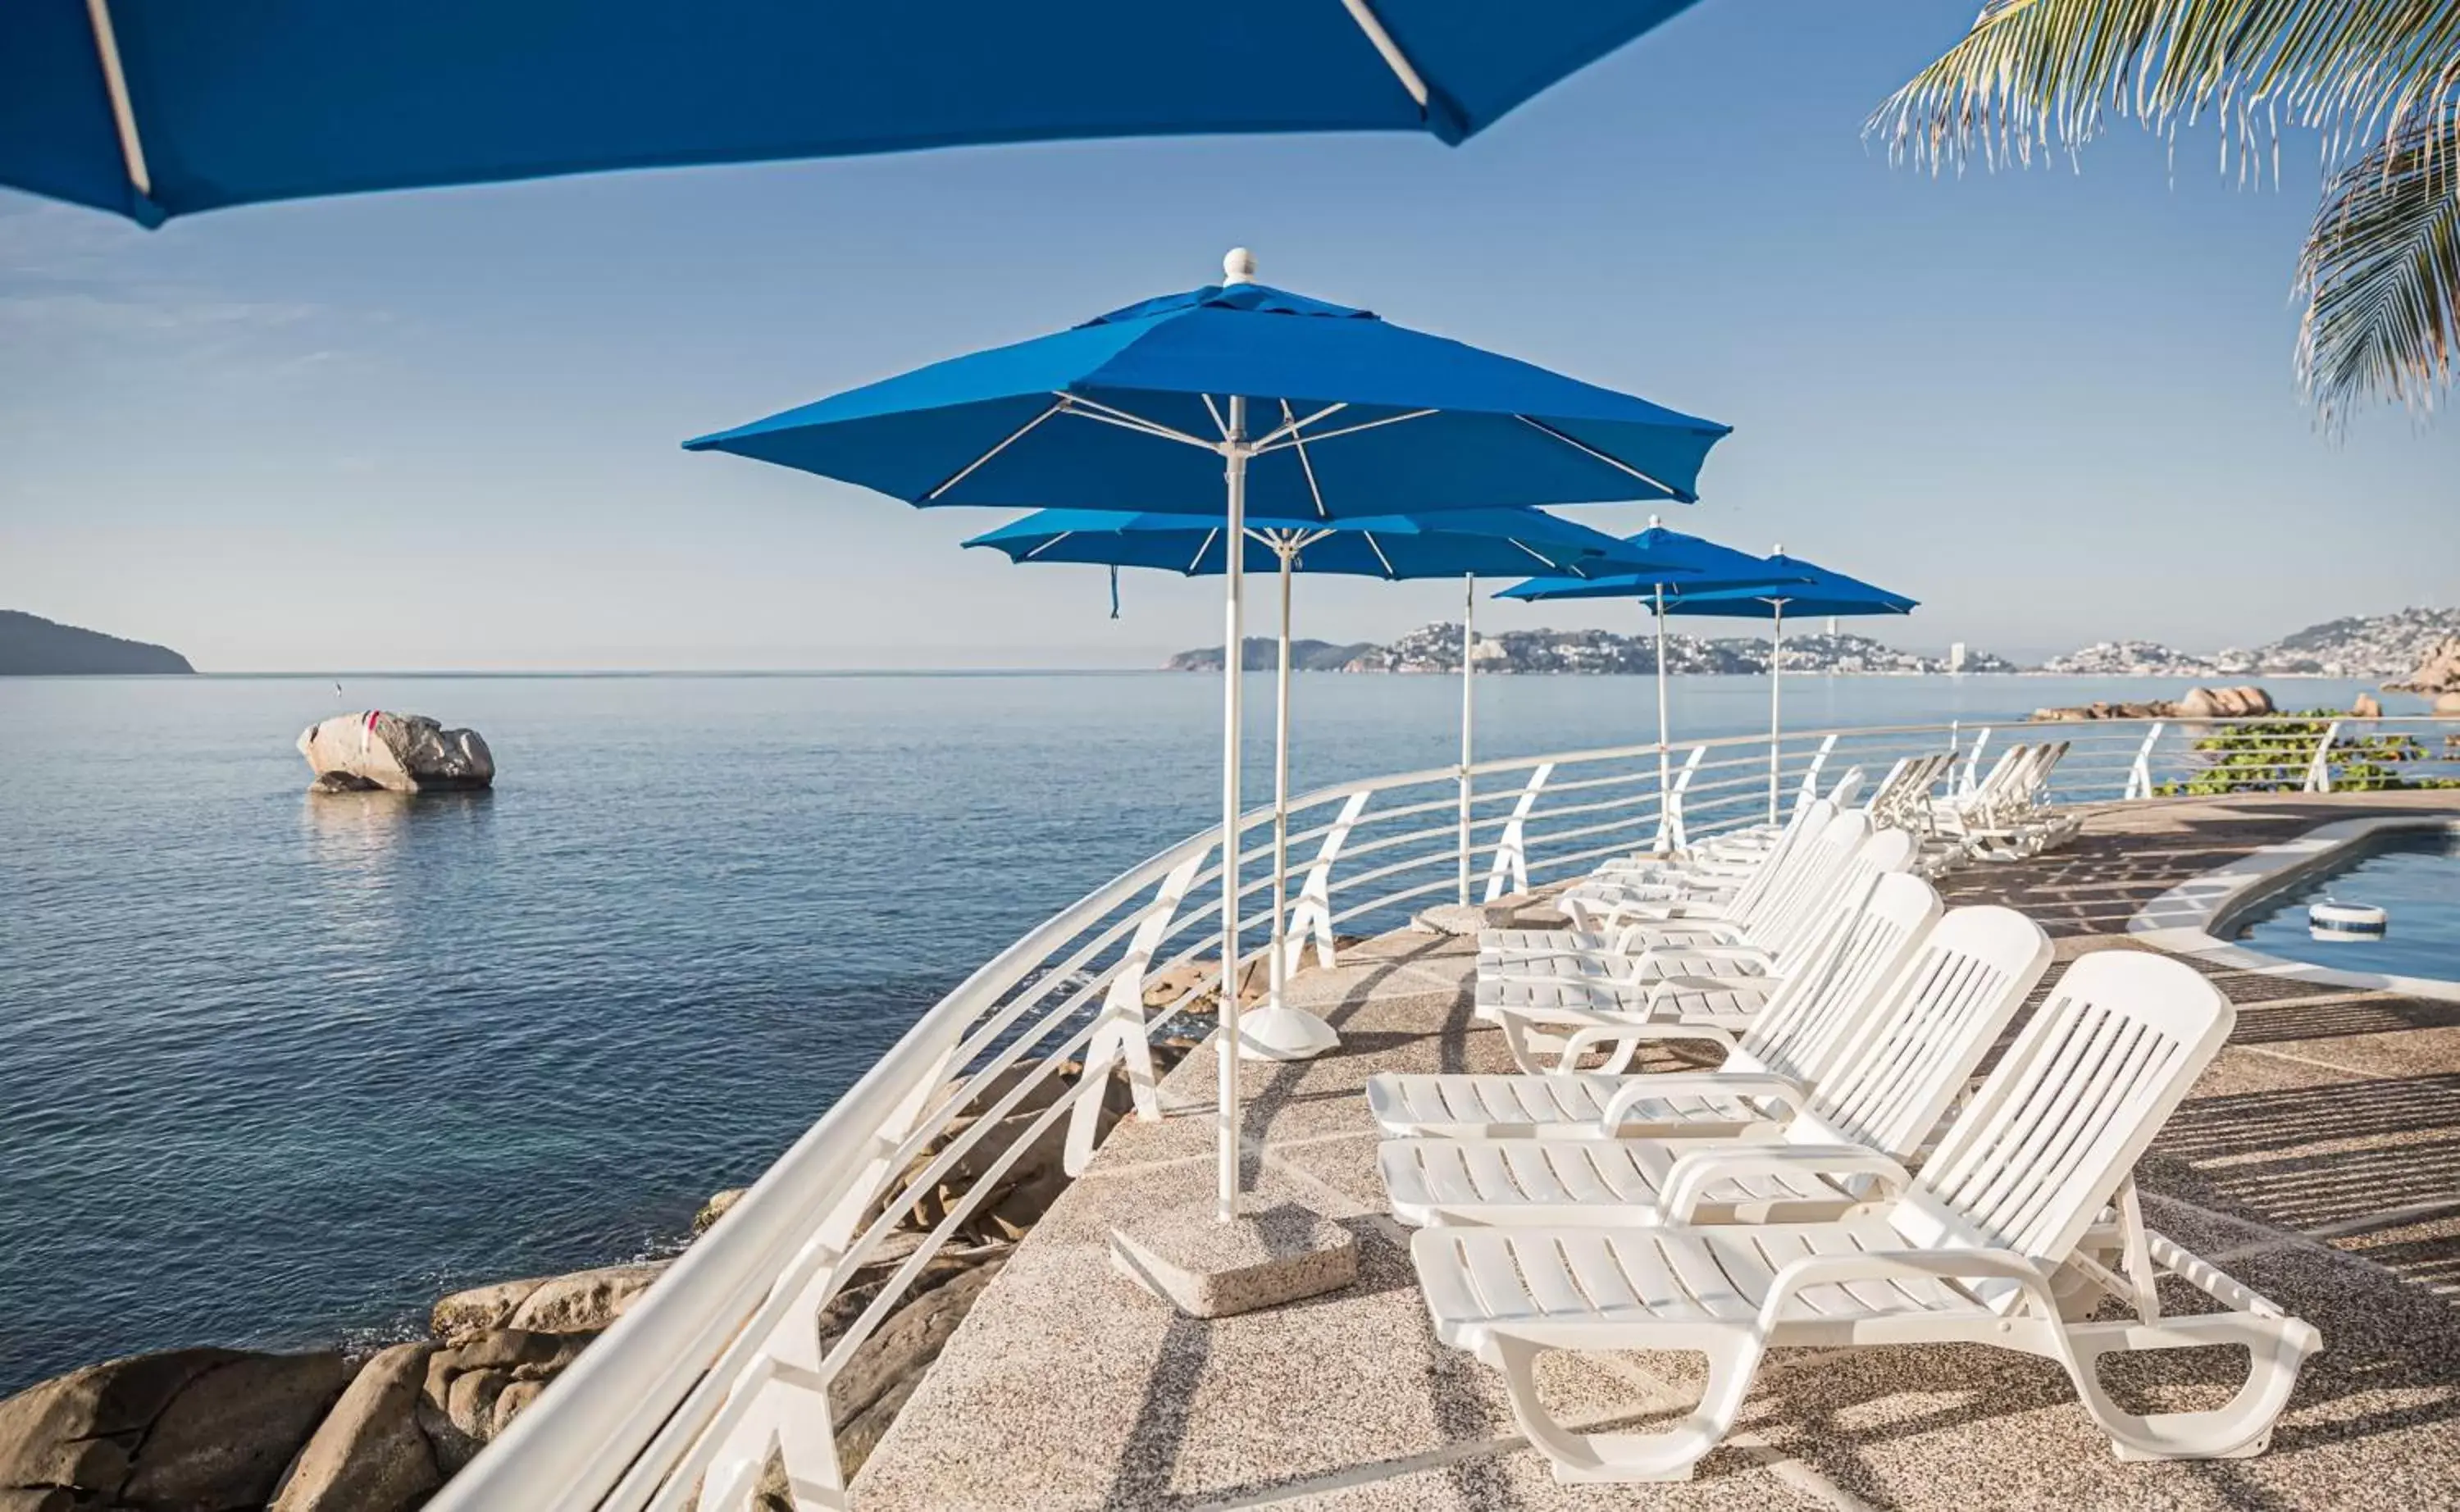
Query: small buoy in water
(2334, 920)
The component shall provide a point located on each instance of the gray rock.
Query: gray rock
(226, 1440)
(405, 752)
(2438, 674)
(892, 1360)
(369, 1453)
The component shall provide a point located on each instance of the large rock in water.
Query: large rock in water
(404, 753)
(203, 1429)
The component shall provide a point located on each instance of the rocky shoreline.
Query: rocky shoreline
(222, 1430)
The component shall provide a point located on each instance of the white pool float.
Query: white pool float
(2340, 920)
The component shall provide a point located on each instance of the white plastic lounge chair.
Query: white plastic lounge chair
(1905, 1066)
(1664, 878)
(1801, 1035)
(1638, 954)
(1693, 984)
(1966, 1254)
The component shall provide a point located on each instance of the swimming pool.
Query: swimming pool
(2412, 874)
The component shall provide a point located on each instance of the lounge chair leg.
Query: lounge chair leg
(1666, 1455)
(2278, 1349)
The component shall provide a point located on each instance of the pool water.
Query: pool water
(2413, 874)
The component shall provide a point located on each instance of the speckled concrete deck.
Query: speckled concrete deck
(2319, 1161)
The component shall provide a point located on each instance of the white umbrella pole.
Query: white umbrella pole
(1665, 757)
(1469, 709)
(1281, 788)
(1234, 646)
(1776, 665)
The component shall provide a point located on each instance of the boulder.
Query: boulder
(583, 1302)
(227, 1437)
(474, 1390)
(185, 1429)
(864, 1396)
(718, 1206)
(2438, 674)
(2365, 705)
(2222, 703)
(368, 1454)
(2446, 703)
(404, 753)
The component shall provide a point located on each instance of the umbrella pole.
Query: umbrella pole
(1664, 760)
(1281, 790)
(1776, 666)
(1234, 648)
(1469, 709)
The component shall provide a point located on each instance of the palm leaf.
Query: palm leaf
(2382, 274)
(2037, 72)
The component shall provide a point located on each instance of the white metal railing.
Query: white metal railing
(726, 1359)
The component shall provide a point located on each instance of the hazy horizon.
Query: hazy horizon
(441, 429)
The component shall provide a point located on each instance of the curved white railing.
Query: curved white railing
(731, 1357)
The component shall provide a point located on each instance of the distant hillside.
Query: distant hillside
(1436, 648)
(2368, 645)
(1263, 655)
(32, 645)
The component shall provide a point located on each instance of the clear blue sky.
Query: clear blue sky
(438, 428)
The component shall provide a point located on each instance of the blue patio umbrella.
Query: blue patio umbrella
(1817, 591)
(155, 108)
(1460, 543)
(1712, 567)
(1225, 398)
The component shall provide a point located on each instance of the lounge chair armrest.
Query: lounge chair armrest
(1580, 1041)
(1909, 1264)
(1634, 948)
(1691, 1174)
(1784, 1091)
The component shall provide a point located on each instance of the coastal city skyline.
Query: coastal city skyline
(236, 434)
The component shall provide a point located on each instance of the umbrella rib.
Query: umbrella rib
(1373, 547)
(1291, 427)
(1586, 450)
(1046, 545)
(1219, 423)
(123, 111)
(1201, 548)
(1353, 429)
(1013, 437)
(1314, 491)
(1394, 59)
(1095, 410)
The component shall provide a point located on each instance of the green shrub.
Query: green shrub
(2272, 758)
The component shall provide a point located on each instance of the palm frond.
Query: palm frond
(2382, 274)
(2040, 72)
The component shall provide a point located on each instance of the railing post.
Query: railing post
(1120, 1033)
(1818, 762)
(1311, 916)
(1671, 839)
(1511, 852)
(2139, 777)
(2319, 770)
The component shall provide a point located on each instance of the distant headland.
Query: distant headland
(32, 645)
(2380, 646)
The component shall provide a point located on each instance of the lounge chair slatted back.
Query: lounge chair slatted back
(1807, 1024)
(2044, 1145)
(1941, 1015)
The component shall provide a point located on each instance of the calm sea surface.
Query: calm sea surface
(280, 1069)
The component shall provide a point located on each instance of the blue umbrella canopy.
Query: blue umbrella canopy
(1456, 542)
(1708, 569)
(154, 108)
(1346, 412)
(1813, 591)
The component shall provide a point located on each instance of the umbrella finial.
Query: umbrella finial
(1239, 266)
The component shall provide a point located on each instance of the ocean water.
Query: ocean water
(2413, 877)
(279, 1069)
